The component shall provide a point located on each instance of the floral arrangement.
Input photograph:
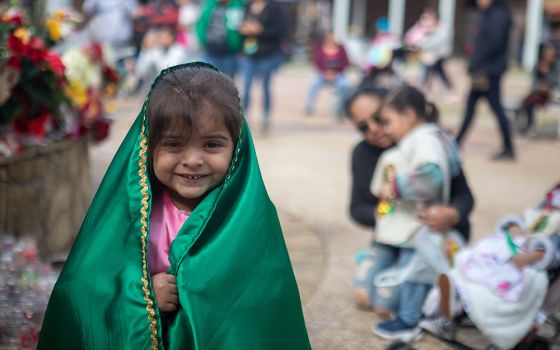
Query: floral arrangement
(32, 89)
(43, 94)
(91, 81)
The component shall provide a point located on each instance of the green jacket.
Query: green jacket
(233, 18)
(234, 277)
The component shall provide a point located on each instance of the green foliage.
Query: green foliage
(5, 30)
(38, 14)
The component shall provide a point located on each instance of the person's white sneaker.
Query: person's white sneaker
(440, 327)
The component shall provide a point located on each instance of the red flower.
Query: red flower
(15, 20)
(101, 129)
(55, 64)
(14, 62)
(37, 51)
(94, 51)
(38, 126)
(110, 74)
(17, 46)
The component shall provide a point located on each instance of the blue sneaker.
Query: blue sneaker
(397, 329)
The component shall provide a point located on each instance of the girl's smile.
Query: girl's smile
(191, 164)
(193, 178)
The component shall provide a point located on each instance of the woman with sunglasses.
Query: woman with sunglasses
(362, 108)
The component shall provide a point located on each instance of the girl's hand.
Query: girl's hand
(440, 218)
(165, 289)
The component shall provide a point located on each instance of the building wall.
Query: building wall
(374, 10)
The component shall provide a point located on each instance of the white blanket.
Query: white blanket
(505, 323)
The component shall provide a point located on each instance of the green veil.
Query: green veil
(236, 285)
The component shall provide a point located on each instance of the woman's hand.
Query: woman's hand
(250, 27)
(440, 218)
(165, 289)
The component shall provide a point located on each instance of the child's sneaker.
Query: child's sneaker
(440, 327)
(397, 329)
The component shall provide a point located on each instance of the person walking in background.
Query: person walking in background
(217, 32)
(111, 22)
(381, 56)
(330, 60)
(545, 79)
(159, 51)
(487, 67)
(264, 30)
(362, 108)
(435, 48)
(189, 13)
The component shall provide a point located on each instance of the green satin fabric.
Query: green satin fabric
(236, 285)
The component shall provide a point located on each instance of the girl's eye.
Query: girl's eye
(173, 144)
(213, 145)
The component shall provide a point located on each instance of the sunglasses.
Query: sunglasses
(364, 127)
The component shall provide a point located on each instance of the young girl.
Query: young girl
(181, 225)
(416, 172)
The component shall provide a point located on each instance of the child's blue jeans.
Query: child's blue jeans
(406, 299)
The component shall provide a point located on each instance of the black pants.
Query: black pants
(493, 97)
(437, 70)
(539, 97)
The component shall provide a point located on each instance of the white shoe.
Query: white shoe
(440, 327)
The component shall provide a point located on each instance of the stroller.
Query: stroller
(515, 291)
(509, 284)
(544, 335)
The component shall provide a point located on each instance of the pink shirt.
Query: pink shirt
(165, 222)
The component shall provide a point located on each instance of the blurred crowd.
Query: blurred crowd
(250, 39)
(420, 274)
(234, 36)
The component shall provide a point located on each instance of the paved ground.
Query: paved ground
(305, 163)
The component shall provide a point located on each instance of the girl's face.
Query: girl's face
(396, 124)
(484, 4)
(549, 53)
(191, 164)
(429, 20)
(329, 38)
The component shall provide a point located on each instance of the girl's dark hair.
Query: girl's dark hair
(182, 96)
(367, 89)
(408, 96)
